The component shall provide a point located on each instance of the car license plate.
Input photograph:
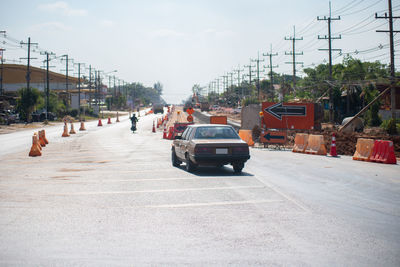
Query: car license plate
(221, 151)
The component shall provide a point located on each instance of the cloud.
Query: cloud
(107, 23)
(50, 26)
(166, 33)
(63, 8)
(223, 33)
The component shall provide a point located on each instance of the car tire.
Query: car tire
(238, 167)
(190, 167)
(175, 161)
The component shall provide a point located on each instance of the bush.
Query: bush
(249, 101)
(391, 127)
(74, 113)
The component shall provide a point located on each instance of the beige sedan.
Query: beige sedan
(209, 145)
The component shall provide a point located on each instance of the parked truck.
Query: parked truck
(158, 108)
(205, 106)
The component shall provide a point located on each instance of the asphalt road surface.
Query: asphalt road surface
(108, 197)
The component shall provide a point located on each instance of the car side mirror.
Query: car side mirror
(178, 137)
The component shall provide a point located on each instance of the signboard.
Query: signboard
(179, 127)
(273, 137)
(288, 115)
(190, 111)
(190, 118)
(218, 120)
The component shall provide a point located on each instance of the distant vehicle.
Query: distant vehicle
(8, 117)
(187, 105)
(205, 106)
(158, 108)
(209, 144)
(37, 117)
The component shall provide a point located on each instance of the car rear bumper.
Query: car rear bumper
(219, 159)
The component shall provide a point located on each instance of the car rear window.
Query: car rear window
(216, 132)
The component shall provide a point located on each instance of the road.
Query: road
(108, 197)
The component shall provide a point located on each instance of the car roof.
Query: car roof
(208, 125)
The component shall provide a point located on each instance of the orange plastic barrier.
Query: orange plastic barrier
(218, 120)
(246, 136)
(364, 148)
(316, 145)
(383, 152)
(300, 142)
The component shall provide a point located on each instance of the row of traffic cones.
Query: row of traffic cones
(72, 131)
(38, 141)
(109, 120)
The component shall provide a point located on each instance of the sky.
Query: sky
(185, 42)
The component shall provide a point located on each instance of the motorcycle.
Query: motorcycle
(133, 128)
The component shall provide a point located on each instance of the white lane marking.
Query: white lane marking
(159, 190)
(215, 203)
(157, 179)
(290, 199)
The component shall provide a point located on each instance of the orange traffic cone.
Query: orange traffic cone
(72, 129)
(164, 133)
(35, 151)
(117, 117)
(44, 137)
(65, 133)
(109, 120)
(100, 124)
(37, 141)
(154, 128)
(41, 140)
(82, 126)
(333, 152)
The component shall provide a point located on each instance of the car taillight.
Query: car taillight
(240, 150)
(203, 150)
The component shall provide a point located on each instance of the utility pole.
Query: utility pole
(250, 71)
(294, 54)
(95, 88)
(231, 73)
(90, 85)
(224, 83)
(330, 38)
(109, 86)
(28, 69)
(47, 82)
(79, 90)
(218, 79)
(66, 78)
(258, 73)
(115, 90)
(392, 66)
(238, 73)
(2, 60)
(271, 67)
(119, 86)
(1, 73)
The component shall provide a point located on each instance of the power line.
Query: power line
(294, 54)
(330, 38)
(28, 70)
(358, 11)
(392, 69)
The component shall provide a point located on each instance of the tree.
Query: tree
(28, 99)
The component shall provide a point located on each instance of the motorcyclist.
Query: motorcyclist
(133, 120)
